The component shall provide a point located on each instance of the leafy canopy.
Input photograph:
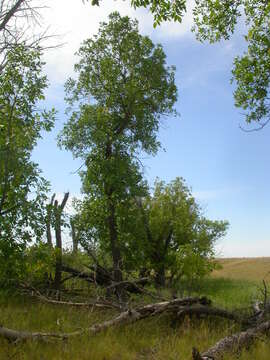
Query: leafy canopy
(215, 20)
(22, 189)
(164, 10)
(177, 236)
(123, 89)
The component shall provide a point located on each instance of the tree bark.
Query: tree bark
(10, 14)
(232, 343)
(160, 277)
(97, 276)
(74, 237)
(116, 255)
(58, 210)
(111, 220)
(48, 221)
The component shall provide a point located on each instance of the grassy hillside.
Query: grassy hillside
(251, 269)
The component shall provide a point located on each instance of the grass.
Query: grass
(251, 269)
(157, 338)
(153, 338)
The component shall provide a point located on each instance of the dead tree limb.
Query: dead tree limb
(125, 317)
(14, 335)
(99, 303)
(58, 211)
(131, 286)
(97, 276)
(74, 236)
(49, 220)
(96, 267)
(232, 343)
(203, 310)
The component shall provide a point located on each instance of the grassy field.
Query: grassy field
(236, 285)
(251, 269)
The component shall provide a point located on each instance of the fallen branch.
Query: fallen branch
(132, 286)
(14, 335)
(199, 310)
(89, 277)
(98, 276)
(128, 316)
(98, 303)
(101, 303)
(232, 343)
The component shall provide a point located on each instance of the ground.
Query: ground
(236, 285)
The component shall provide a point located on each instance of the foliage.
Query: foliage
(215, 20)
(12, 264)
(123, 89)
(191, 265)
(252, 73)
(39, 262)
(178, 237)
(165, 232)
(164, 10)
(22, 189)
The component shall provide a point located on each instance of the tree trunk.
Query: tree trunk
(74, 237)
(116, 255)
(58, 237)
(48, 221)
(160, 277)
(58, 210)
(233, 344)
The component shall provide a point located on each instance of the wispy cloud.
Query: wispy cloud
(219, 193)
(207, 194)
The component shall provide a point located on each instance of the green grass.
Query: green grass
(153, 338)
(229, 293)
(157, 338)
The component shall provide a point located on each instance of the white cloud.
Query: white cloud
(76, 21)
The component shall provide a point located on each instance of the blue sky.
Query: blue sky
(227, 169)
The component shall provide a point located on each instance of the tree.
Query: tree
(22, 189)
(19, 20)
(215, 20)
(58, 212)
(49, 209)
(164, 10)
(177, 237)
(123, 89)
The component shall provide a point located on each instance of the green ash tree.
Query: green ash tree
(123, 89)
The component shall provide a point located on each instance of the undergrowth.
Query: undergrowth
(153, 338)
